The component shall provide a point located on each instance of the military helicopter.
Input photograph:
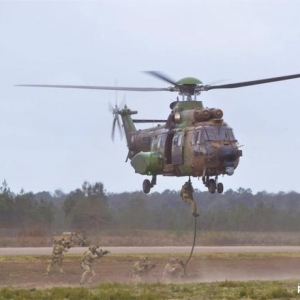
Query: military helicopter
(193, 141)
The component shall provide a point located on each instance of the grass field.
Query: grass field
(135, 237)
(262, 290)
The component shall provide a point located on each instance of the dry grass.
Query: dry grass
(185, 238)
(164, 238)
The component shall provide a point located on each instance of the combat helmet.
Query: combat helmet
(60, 241)
(92, 248)
(143, 258)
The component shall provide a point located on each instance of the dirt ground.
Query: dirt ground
(117, 269)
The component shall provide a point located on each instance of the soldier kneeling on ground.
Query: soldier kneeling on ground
(88, 260)
(141, 269)
(173, 271)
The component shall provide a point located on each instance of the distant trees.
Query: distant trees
(239, 210)
(23, 210)
(90, 207)
(6, 205)
(87, 208)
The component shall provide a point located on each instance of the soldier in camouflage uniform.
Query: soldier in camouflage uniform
(88, 260)
(141, 269)
(186, 193)
(79, 239)
(173, 271)
(59, 248)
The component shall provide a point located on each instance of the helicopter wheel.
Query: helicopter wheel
(220, 187)
(146, 186)
(212, 186)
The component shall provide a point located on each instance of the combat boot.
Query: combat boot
(195, 214)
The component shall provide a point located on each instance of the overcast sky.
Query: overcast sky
(56, 139)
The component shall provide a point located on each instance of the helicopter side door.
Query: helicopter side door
(177, 148)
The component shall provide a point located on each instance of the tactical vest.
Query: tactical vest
(57, 250)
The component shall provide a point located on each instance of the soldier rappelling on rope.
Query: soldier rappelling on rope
(186, 193)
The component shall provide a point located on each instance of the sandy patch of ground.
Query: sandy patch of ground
(117, 269)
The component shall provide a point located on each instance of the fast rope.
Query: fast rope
(192, 250)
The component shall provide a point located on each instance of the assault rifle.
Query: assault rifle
(101, 252)
(148, 267)
(67, 244)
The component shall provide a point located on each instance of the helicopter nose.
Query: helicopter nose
(227, 155)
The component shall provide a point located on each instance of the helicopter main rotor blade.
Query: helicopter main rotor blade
(89, 87)
(161, 76)
(253, 82)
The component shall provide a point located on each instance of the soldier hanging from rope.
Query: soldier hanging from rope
(186, 193)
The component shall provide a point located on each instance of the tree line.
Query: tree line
(91, 207)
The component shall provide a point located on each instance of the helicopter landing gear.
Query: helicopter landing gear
(213, 185)
(147, 185)
(220, 188)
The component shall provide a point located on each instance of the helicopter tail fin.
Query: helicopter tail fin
(128, 123)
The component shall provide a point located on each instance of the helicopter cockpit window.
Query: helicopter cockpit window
(230, 134)
(219, 134)
(210, 134)
(196, 137)
(226, 134)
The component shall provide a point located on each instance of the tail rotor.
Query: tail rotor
(116, 121)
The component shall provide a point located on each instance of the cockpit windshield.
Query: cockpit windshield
(222, 133)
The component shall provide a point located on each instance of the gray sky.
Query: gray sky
(56, 139)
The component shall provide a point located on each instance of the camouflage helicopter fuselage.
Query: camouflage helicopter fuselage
(194, 141)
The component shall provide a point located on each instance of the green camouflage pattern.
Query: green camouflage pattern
(141, 269)
(173, 271)
(187, 196)
(73, 239)
(57, 257)
(87, 261)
